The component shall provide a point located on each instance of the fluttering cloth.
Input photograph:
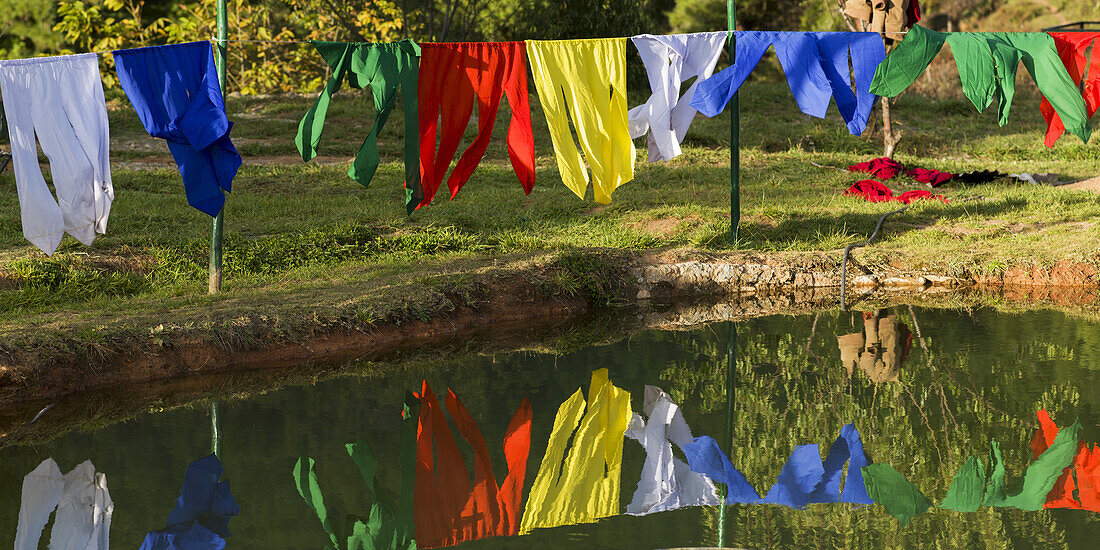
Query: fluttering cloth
(177, 96)
(59, 99)
(584, 81)
(455, 75)
(671, 60)
(817, 69)
(987, 64)
(384, 68)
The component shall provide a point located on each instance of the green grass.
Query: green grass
(306, 236)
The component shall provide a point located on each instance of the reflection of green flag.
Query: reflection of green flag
(995, 487)
(965, 493)
(381, 529)
(890, 489)
(1041, 475)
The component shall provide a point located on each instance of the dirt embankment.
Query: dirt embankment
(527, 301)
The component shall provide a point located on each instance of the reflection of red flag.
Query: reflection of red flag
(1082, 476)
(447, 510)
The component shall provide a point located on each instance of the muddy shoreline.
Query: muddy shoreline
(734, 286)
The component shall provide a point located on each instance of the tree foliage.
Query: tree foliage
(26, 29)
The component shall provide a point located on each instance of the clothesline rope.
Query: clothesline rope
(239, 41)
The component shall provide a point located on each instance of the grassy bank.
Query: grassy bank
(303, 240)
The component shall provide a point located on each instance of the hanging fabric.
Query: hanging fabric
(584, 81)
(452, 77)
(667, 483)
(817, 69)
(1079, 485)
(381, 528)
(59, 99)
(581, 485)
(671, 60)
(987, 64)
(383, 68)
(83, 504)
(201, 517)
(178, 98)
(1071, 48)
(448, 510)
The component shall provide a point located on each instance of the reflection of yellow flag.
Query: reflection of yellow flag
(585, 487)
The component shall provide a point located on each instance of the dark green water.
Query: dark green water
(969, 378)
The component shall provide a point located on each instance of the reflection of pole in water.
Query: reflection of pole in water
(731, 393)
(215, 437)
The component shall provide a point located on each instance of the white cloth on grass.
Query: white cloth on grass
(59, 100)
(666, 483)
(671, 60)
(83, 504)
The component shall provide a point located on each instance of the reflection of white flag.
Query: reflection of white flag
(667, 483)
(84, 508)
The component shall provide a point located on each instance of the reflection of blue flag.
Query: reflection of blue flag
(200, 520)
(847, 447)
(800, 476)
(803, 480)
(704, 457)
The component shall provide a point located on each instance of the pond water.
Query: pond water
(925, 388)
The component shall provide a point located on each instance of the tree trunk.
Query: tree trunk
(890, 138)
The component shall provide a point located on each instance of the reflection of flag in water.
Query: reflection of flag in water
(583, 486)
(448, 511)
(1082, 477)
(803, 480)
(666, 483)
(200, 520)
(83, 504)
(1048, 482)
(381, 529)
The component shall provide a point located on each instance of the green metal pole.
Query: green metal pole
(731, 394)
(735, 133)
(216, 228)
(215, 435)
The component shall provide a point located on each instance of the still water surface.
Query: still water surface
(926, 388)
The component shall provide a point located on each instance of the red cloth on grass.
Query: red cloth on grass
(1083, 475)
(447, 510)
(910, 196)
(871, 190)
(876, 191)
(452, 76)
(881, 168)
(1071, 49)
(930, 176)
(913, 12)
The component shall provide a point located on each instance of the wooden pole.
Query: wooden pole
(216, 227)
